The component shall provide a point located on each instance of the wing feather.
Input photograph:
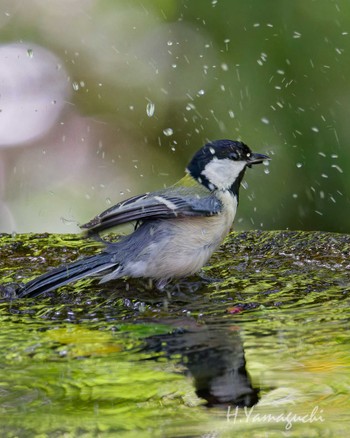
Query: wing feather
(160, 205)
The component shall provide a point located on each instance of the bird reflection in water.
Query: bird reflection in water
(213, 354)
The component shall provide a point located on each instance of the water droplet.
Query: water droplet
(224, 66)
(66, 221)
(266, 170)
(190, 107)
(315, 129)
(339, 169)
(265, 120)
(168, 132)
(295, 195)
(150, 108)
(75, 86)
(201, 92)
(108, 201)
(30, 53)
(296, 34)
(299, 165)
(169, 43)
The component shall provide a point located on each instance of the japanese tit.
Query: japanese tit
(177, 229)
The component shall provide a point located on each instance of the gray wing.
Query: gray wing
(161, 205)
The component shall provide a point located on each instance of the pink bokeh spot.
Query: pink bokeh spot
(33, 91)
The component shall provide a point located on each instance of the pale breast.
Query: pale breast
(192, 241)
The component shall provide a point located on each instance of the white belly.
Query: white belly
(191, 244)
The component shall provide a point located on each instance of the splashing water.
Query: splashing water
(150, 109)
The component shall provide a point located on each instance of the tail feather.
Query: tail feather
(57, 277)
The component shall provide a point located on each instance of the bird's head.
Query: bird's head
(221, 164)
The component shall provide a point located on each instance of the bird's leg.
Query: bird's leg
(149, 285)
(160, 285)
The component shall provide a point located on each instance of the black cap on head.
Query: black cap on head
(234, 150)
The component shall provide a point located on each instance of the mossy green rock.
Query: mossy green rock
(256, 260)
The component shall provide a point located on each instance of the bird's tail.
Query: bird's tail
(87, 267)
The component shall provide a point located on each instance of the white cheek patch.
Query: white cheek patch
(223, 173)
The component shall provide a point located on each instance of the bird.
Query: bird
(176, 229)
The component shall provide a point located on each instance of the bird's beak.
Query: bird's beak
(257, 158)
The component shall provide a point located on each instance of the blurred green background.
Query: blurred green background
(102, 99)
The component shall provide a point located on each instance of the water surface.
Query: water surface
(262, 350)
